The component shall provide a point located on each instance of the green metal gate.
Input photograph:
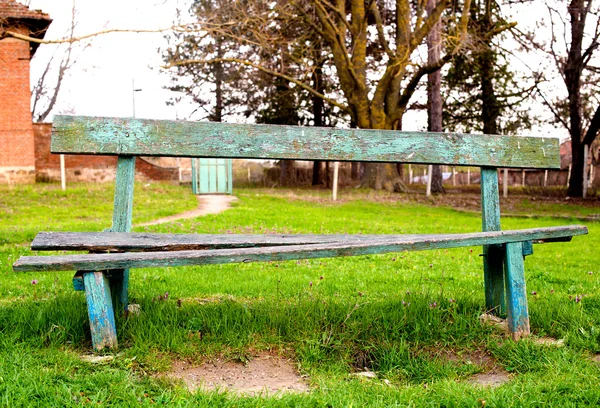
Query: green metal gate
(212, 176)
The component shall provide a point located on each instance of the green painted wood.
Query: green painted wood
(527, 248)
(493, 257)
(229, 176)
(122, 218)
(221, 168)
(212, 175)
(203, 177)
(490, 199)
(136, 241)
(516, 291)
(132, 136)
(195, 180)
(78, 284)
(123, 207)
(278, 253)
(100, 310)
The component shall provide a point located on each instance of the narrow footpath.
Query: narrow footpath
(207, 204)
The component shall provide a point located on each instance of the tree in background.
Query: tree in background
(373, 47)
(483, 93)
(434, 93)
(574, 75)
(250, 31)
(579, 112)
(45, 91)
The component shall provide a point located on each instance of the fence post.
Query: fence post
(336, 166)
(429, 173)
(505, 184)
(63, 175)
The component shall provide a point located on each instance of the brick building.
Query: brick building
(17, 152)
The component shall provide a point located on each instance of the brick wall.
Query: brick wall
(16, 132)
(87, 167)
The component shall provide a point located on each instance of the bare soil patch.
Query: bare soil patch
(493, 374)
(263, 374)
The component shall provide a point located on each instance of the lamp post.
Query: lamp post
(133, 91)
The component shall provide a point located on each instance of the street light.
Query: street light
(133, 91)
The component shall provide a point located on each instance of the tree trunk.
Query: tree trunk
(318, 105)
(573, 68)
(218, 72)
(434, 93)
(489, 103)
(288, 173)
(354, 171)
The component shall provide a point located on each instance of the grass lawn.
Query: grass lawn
(399, 315)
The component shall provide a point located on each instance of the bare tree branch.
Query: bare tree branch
(265, 70)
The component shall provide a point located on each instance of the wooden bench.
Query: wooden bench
(104, 272)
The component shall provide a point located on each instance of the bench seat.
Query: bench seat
(160, 250)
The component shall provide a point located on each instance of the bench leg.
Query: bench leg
(100, 310)
(493, 276)
(119, 287)
(518, 315)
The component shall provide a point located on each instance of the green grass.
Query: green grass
(333, 316)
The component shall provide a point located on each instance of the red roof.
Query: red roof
(13, 10)
(16, 14)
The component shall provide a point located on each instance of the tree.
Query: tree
(483, 93)
(580, 115)
(578, 60)
(44, 94)
(373, 47)
(434, 93)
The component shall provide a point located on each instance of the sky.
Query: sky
(100, 82)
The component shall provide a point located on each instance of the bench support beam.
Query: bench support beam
(493, 256)
(100, 310)
(122, 217)
(518, 314)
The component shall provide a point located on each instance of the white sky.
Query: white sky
(100, 83)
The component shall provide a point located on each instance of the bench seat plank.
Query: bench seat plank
(145, 137)
(94, 262)
(144, 242)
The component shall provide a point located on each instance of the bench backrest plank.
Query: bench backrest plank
(142, 137)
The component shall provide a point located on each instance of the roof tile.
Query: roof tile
(12, 9)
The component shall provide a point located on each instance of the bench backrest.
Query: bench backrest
(142, 137)
(130, 137)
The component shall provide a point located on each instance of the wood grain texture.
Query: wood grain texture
(122, 218)
(493, 258)
(516, 291)
(135, 241)
(280, 253)
(130, 136)
(100, 310)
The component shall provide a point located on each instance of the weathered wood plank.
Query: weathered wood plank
(123, 203)
(493, 257)
(279, 253)
(122, 218)
(100, 310)
(516, 291)
(132, 136)
(134, 241)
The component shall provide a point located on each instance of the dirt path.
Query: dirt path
(207, 204)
